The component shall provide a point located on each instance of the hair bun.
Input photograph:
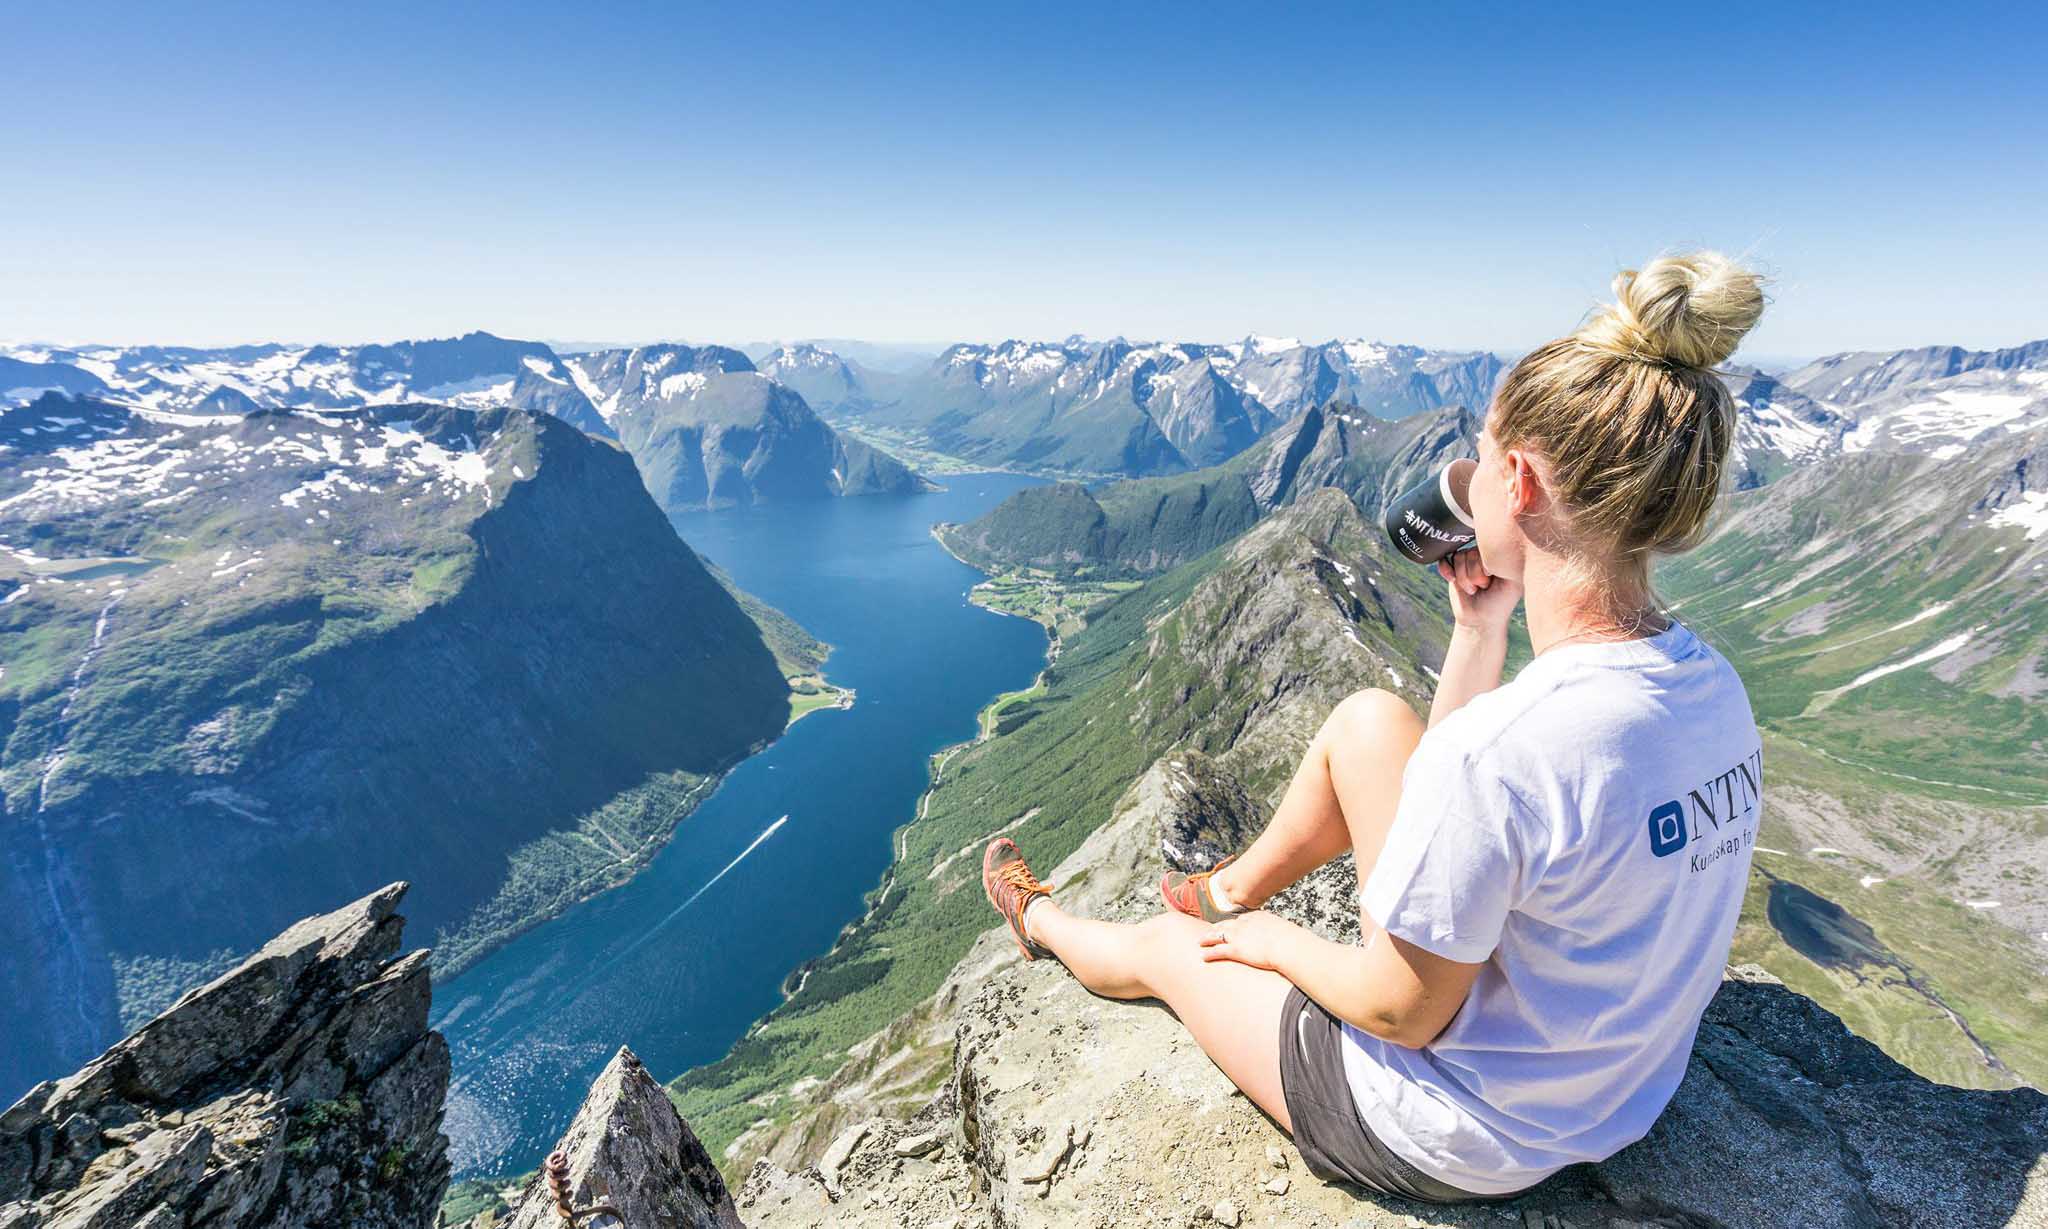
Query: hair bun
(1692, 310)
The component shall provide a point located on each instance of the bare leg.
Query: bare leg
(1342, 797)
(1232, 1010)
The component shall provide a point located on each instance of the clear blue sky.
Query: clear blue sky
(207, 174)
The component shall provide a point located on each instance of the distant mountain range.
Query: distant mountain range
(1937, 403)
(1077, 408)
(708, 430)
(253, 662)
(1124, 408)
(702, 439)
(1937, 400)
(872, 355)
(699, 436)
(1142, 526)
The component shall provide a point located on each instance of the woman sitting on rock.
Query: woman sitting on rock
(1552, 869)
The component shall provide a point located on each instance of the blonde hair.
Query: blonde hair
(1628, 413)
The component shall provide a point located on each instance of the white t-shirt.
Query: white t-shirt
(1584, 829)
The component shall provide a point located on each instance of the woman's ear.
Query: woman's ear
(1525, 492)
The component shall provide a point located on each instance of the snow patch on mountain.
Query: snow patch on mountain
(1955, 413)
(1921, 658)
(476, 371)
(1775, 429)
(605, 403)
(2029, 514)
(475, 393)
(139, 461)
(683, 385)
(542, 368)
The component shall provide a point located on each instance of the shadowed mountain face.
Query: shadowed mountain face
(252, 663)
(1778, 430)
(709, 431)
(22, 381)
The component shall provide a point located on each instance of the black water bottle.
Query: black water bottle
(1431, 522)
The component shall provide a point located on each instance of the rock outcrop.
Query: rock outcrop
(629, 1152)
(302, 1088)
(1066, 1109)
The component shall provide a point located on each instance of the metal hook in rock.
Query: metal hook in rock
(557, 1171)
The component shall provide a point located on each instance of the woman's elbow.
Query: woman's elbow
(1406, 1031)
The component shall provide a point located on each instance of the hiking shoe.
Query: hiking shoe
(1010, 886)
(1189, 894)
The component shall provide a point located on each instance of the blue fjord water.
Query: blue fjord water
(680, 961)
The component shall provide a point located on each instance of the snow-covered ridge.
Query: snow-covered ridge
(57, 464)
(474, 371)
(1013, 361)
(1951, 416)
(802, 355)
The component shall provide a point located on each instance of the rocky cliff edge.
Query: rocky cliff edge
(302, 1088)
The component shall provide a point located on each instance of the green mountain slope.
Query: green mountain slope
(252, 664)
(1887, 609)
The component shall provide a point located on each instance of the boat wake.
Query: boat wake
(709, 884)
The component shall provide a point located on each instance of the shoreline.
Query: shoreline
(628, 867)
(828, 695)
(793, 982)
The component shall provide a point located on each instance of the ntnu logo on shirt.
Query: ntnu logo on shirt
(1725, 799)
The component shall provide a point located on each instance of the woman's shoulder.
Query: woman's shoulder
(1591, 694)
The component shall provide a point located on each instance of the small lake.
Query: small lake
(680, 976)
(1822, 931)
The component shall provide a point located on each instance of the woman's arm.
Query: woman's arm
(1390, 988)
(1481, 605)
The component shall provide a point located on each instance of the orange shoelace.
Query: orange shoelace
(1018, 877)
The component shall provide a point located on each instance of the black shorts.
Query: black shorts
(1332, 1136)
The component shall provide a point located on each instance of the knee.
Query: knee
(1172, 940)
(1371, 713)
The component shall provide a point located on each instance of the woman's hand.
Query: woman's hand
(1480, 601)
(1254, 937)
